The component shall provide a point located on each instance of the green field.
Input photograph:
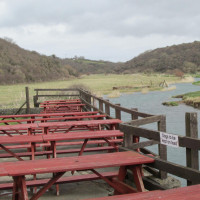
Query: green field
(13, 96)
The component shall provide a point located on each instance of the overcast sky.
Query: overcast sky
(114, 30)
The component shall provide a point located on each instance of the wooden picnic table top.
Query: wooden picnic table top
(54, 165)
(63, 105)
(49, 114)
(183, 193)
(53, 118)
(66, 100)
(60, 136)
(59, 124)
(59, 103)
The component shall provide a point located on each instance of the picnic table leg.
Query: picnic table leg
(15, 195)
(47, 186)
(23, 188)
(136, 170)
(29, 132)
(119, 186)
(136, 139)
(45, 131)
(111, 144)
(83, 147)
(121, 176)
(10, 152)
(19, 184)
(53, 148)
(33, 149)
(82, 150)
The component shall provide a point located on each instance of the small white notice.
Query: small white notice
(169, 139)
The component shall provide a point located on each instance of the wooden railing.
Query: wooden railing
(104, 106)
(37, 96)
(132, 130)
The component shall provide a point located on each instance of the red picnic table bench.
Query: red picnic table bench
(52, 140)
(63, 108)
(124, 160)
(183, 193)
(55, 127)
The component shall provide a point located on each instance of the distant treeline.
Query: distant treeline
(18, 65)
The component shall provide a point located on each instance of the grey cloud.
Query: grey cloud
(84, 25)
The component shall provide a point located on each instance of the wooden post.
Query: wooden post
(89, 101)
(117, 112)
(27, 100)
(100, 105)
(162, 148)
(35, 99)
(133, 116)
(192, 156)
(107, 108)
(95, 104)
(128, 139)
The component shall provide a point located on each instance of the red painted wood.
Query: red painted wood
(49, 152)
(59, 124)
(19, 168)
(60, 102)
(60, 136)
(21, 139)
(64, 144)
(184, 193)
(54, 119)
(69, 179)
(63, 105)
(47, 115)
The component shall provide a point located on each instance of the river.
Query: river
(151, 103)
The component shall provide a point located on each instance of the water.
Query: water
(152, 103)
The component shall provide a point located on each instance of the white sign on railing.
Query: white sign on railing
(169, 139)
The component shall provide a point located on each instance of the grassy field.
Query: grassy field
(191, 98)
(13, 96)
(196, 83)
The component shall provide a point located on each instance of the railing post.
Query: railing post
(107, 107)
(117, 112)
(95, 104)
(192, 156)
(100, 105)
(133, 116)
(27, 100)
(88, 99)
(162, 148)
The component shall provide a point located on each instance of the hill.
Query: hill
(184, 57)
(18, 65)
(86, 66)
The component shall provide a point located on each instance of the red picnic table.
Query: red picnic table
(60, 102)
(55, 127)
(50, 118)
(4, 118)
(183, 193)
(124, 160)
(51, 141)
(63, 108)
